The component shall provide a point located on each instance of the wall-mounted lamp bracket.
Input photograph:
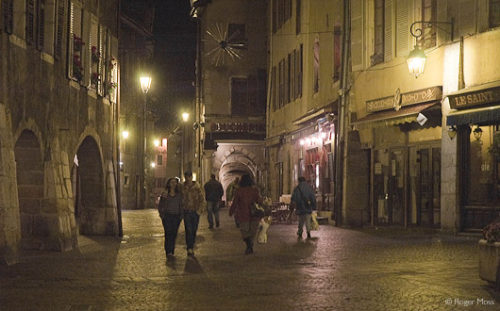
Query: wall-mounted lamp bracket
(417, 32)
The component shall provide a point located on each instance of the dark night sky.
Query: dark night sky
(174, 59)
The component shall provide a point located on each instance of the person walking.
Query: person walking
(304, 201)
(213, 195)
(230, 191)
(170, 210)
(193, 204)
(245, 196)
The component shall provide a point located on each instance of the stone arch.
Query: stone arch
(30, 187)
(89, 187)
(235, 165)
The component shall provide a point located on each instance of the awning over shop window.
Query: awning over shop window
(392, 117)
(486, 115)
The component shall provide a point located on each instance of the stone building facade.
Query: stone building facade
(231, 90)
(136, 148)
(304, 74)
(58, 99)
(403, 128)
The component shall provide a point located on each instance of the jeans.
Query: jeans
(304, 219)
(171, 224)
(191, 220)
(212, 210)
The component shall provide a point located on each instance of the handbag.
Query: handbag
(256, 210)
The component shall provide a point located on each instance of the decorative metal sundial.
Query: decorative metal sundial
(225, 42)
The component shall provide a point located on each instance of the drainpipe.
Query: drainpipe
(117, 134)
(340, 143)
(199, 100)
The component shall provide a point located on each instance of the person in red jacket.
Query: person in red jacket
(244, 197)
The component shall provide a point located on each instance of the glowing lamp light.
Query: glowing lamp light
(416, 61)
(194, 176)
(125, 134)
(322, 135)
(185, 116)
(302, 142)
(156, 142)
(153, 164)
(145, 83)
(308, 141)
(164, 142)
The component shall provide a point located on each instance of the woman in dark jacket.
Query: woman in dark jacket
(245, 196)
(170, 209)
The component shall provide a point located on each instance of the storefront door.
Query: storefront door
(428, 173)
(389, 186)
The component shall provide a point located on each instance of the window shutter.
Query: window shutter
(301, 66)
(273, 88)
(102, 59)
(113, 67)
(261, 90)
(466, 20)
(337, 52)
(293, 75)
(93, 51)
(494, 13)
(297, 16)
(30, 21)
(357, 35)
(60, 19)
(402, 28)
(76, 46)
(40, 18)
(275, 15)
(287, 79)
(86, 25)
(8, 15)
(388, 30)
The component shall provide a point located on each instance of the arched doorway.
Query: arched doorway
(236, 165)
(88, 186)
(30, 185)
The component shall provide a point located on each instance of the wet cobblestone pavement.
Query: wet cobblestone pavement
(339, 269)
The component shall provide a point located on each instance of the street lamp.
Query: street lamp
(125, 134)
(145, 85)
(416, 58)
(185, 118)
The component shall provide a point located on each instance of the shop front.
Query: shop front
(476, 122)
(403, 133)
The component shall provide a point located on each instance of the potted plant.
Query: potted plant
(489, 253)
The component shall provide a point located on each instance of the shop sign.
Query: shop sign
(405, 99)
(474, 98)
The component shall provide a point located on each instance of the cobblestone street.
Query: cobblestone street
(339, 269)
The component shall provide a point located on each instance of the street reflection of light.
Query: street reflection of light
(302, 142)
(153, 164)
(156, 143)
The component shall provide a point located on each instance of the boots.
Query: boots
(249, 244)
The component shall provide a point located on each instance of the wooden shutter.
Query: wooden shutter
(297, 16)
(40, 18)
(337, 52)
(402, 27)
(301, 66)
(102, 58)
(60, 23)
(114, 68)
(273, 88)
(316, 65)
(86, 25)
(8, 15)
(357, 35)
(93, 52)
(287, 79)
(494, 13)
(275, 15)
(30, 21)
(388, 30)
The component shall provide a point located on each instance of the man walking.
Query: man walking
(194, 204)
(304, 201)
(213, 195)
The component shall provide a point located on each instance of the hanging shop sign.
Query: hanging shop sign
(399, 99)
(466, 99)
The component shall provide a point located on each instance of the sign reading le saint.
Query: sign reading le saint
(475, 98)
(407, 99)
